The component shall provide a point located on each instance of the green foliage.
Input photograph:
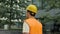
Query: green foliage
(48, 18)
(12, 9)
(50, 4)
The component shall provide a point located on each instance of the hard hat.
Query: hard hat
(32, 8)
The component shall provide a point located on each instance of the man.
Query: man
(31, 25)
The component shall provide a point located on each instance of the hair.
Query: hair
(31, 13)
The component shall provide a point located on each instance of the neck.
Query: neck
(30, 17)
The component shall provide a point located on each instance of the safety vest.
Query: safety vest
(34, 26)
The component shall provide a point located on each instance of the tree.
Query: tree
(12, 10)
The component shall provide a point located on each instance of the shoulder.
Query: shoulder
(25, 27)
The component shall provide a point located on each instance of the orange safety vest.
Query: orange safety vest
(34, 26)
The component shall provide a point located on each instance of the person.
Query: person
(31, 25)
